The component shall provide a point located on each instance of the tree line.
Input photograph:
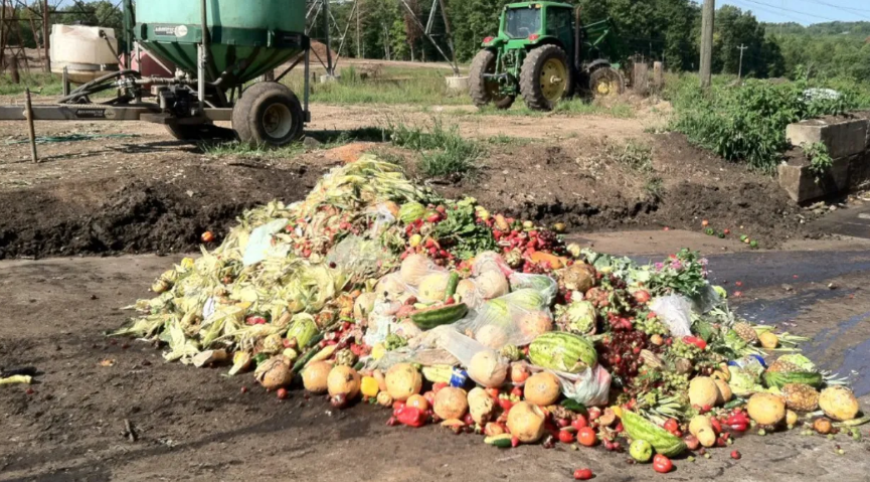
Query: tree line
(666, 30)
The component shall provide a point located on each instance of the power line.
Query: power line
(775, 12)
(794, 11)
(852, 11)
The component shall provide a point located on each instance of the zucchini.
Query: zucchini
(452, 283)
(442, 315)
(313, 355)
(502, 441)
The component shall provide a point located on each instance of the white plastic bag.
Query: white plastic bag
(513, 319)
(675, 312)
(590, 387)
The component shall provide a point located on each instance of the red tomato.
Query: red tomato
(587, 437)
(565, 436)
(207, 237)
(693, 340)
(662, 464)
(672, 425)
(493, 392)
(579, 422)
(582, 474)
(282, 393)
(735, 455)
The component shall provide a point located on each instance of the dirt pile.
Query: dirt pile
(139, 215)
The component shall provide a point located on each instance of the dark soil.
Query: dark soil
(110, 216)
(170, 194)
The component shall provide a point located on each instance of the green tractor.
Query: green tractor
(543, 53)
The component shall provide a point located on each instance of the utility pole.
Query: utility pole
(740, 67)
(46, 33)
(358, 11)
(330, 72)
(707, 42)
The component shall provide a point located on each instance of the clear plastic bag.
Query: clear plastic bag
(383, 218)
(544, 284)
(359, 256)
(590, 387)
(489, 260)
(513, 319)
(675, 312)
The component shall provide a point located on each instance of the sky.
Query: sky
(803, 12)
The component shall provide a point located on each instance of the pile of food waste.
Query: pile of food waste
(376, 290)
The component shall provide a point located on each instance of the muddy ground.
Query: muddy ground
(134, 189)
(197, 425)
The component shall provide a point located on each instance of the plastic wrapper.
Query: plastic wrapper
(675, 312)
(542, 283)
(706, 300)
(383, 217)
(358, 256)
(514, 319)
(591, 387)
(489, 260)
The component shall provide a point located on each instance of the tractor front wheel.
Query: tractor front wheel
(484, 90)
(545, 77)
(606, 82)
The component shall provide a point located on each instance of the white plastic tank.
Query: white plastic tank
(83, 51)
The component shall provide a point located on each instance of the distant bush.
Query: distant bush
(746, 123)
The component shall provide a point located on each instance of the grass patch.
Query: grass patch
(328, 140)
(40, 84)
(655, 187)
(505, 140)
(443, 151)
(385, 85)
(820, 159)
(633, 154)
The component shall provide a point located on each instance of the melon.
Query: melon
(488, 369)
(725, 394)
(526, 422)
(542, 389)
(450, 403)
(839, 403)
(433, 287)
(534, 323)
(492, 336)
(766, 408)
(314, 376)
(563, 352)
(703, 392)
(414, 268)
(273, 373)
(466, 292)
(364, 305)
(343, 380)
(492, 284)
(390, 287)
(403, 380)
(480, 405)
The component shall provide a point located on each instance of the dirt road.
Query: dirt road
(196, 425)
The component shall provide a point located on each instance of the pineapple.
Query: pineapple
(800, 397)
(783, 366)
(345, 357)
(514, 258)
(746, 332)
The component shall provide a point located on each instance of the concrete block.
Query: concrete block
(325, 78)
(800, 183)
(859, 171)
(842, 137)
(457, 83)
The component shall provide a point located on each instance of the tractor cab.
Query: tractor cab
(542, 52)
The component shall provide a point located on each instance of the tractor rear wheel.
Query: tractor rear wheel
(483, 90)
(606, 81)
(268, 115)
(545, 77)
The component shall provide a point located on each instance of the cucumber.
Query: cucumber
(452, 283)
(502, 441)
(443, 315)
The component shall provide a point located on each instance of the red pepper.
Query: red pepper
(717, 426)
(505, 404)
(701, 344)
(410, 416)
